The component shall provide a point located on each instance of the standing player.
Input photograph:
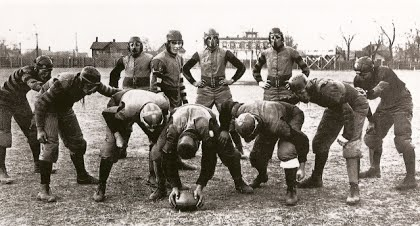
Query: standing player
(136, 65)
(166, 77)
(13, 103)
(213, 87)
(280, 60)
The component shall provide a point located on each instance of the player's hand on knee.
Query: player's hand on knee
(342, 141)
(119, 140)
(370, 127)
(224, 137)
(41, 136)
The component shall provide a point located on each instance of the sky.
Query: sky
(314, 24)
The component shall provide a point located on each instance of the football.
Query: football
(186, 201)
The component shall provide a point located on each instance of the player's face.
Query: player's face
(44, 74)
(276, 40)
(135, 47)
(212, 41)
(175, 46)
(89, 88)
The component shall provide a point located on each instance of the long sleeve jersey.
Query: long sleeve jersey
(59, 95)
(339, 97)
(384, 84)
(213, 64)
(193, 118)
(19, 83)
(279, 63)
(278, 119)
(135, 67)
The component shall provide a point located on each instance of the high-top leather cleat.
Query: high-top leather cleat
(371, 173)
(256, 183)
(409, 182)
(158, 193)
(45, 194)
(242, 187)
(354, 194)
(99, 195)
(87, 179)
(291, 196)
(311, 182)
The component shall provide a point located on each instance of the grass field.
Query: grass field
(127, 193)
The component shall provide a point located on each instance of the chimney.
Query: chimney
(49, 48)
(96, 39)
(113, 40)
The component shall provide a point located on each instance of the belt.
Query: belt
(212, 82)
(276, 81)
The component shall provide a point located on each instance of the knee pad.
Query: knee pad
(49, 152)
(403, 144)
(352, 149)
(5, 139)
(286, 151)
(372, 141)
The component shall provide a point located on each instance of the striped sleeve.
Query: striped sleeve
(107, 90)
(183, 91)
(44, 101)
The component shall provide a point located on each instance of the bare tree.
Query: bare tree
(373, 50)
(348, 39)
(391, 39)
(289, 41)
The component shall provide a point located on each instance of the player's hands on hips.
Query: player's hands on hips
(200, 84)
(264, 85)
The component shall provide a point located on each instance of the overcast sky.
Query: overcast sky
(314, 24)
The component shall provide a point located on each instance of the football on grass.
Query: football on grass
(186, 201)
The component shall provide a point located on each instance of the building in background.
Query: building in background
(108, 49)
(246, 48)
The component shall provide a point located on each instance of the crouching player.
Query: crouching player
(268, 122)
(189, 125)
(147, 109)
(345, 107)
